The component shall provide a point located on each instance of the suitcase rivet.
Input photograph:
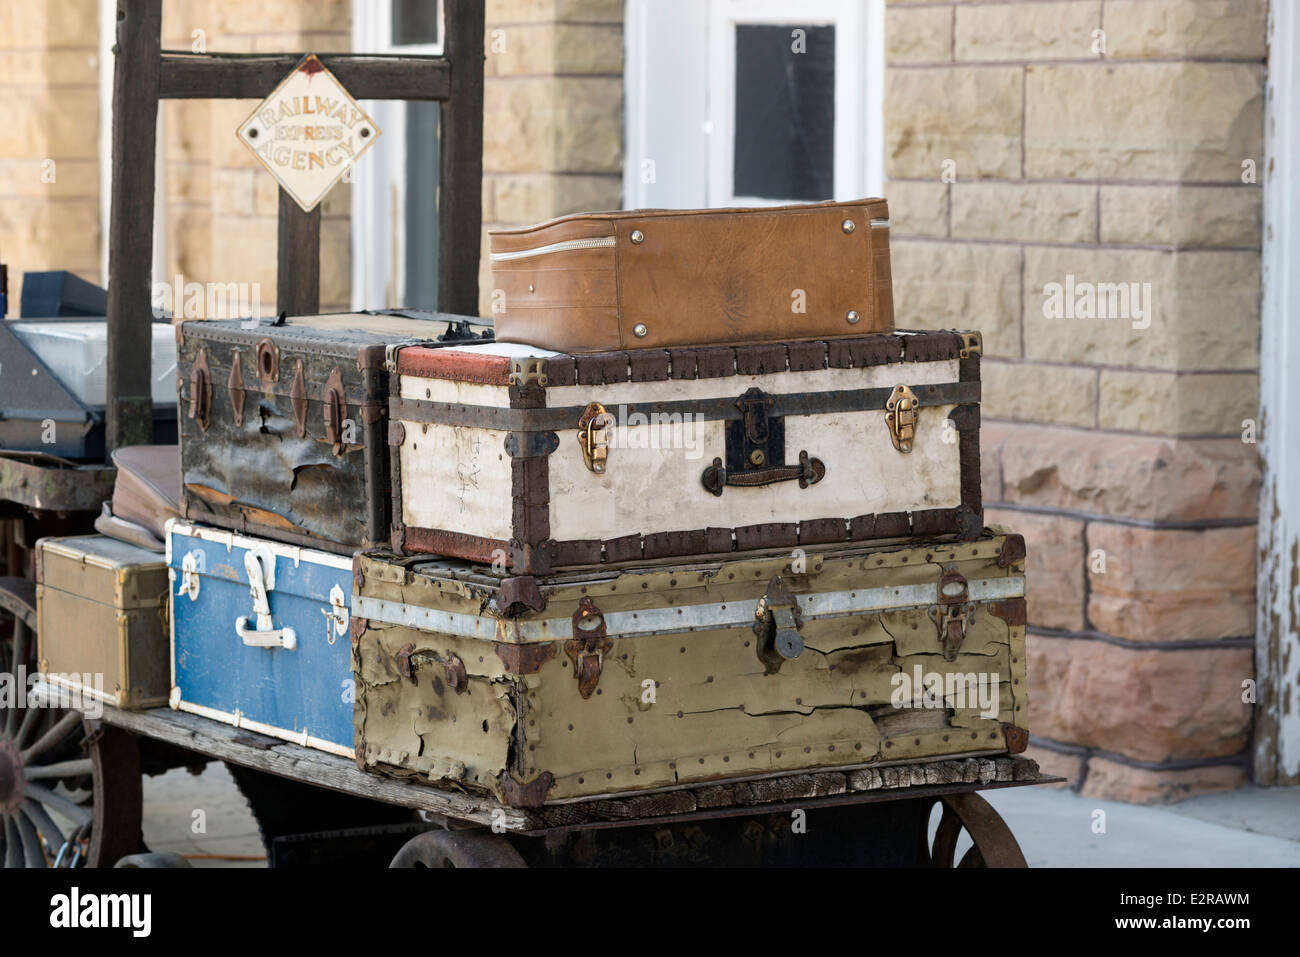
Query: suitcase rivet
(638, 237)
(853, 317)
(639, 330)
(848, 225)
(531, 287)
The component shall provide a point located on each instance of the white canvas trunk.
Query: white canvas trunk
(537, 460)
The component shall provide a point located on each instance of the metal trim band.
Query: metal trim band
(722, 407)
(674, 620)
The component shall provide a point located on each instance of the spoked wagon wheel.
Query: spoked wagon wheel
(42, 747)
(992, 843)
(457, 849)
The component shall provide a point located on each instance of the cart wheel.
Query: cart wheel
(153, 859)
(38, 748)
(457, 849)
(992, 843)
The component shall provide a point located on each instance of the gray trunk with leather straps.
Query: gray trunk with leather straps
(283, 425)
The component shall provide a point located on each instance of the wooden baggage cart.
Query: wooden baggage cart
(864, 816)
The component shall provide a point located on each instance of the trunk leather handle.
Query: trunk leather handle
(809, 471)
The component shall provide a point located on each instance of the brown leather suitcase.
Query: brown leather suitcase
(146, 494)
(654, 278)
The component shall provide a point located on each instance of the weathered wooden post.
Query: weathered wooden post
(129, 417)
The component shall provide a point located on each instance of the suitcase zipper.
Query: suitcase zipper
(592, 243)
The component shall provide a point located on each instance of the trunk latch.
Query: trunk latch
(778, 625)
(201, 391)
(900, 416)
(954, 612)
(336, 616)
(593, 433)
(588, 647)
(335, 411)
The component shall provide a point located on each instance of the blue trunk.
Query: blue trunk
(283, 672)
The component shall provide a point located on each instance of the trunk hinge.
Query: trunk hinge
(953, 613)
(778, 626)
(588, 647)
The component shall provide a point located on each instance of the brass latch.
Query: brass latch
(777, 627)
(900, 416)
(588, 647)
(954, 613)
(593, 434)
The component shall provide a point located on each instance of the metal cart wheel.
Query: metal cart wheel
(992, 843)
(41, 747)
(473, 848)
(153, 859)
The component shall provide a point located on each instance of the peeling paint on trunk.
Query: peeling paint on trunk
(688, 704)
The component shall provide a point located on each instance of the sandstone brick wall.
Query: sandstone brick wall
(49, 155)
(1116, 450)
(552, 113)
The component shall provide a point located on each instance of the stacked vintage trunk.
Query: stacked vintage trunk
(649, 563)
(704, 515)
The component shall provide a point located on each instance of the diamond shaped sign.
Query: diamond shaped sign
(308, 132)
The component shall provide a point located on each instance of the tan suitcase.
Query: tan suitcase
(101, 608)
(658, 278)
(601, 682)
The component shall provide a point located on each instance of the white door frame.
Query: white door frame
(378, 203)
(1277, 634)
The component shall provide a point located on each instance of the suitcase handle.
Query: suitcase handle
(285, 638)
(809, 471)
(259, 563)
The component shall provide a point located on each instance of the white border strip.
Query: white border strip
(675, 620)
(301, 738)
(233, 540)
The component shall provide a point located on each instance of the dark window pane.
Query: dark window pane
(422, 164)
(415, 21)
(785, 112)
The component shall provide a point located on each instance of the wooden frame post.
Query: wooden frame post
(129, 417)
(297, 270)
(460, 199)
